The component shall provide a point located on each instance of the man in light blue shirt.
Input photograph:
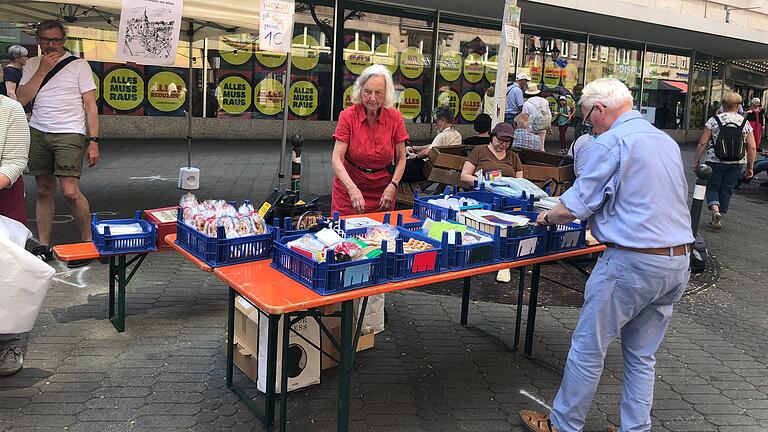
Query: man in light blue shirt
(515, 99)
(633, 191)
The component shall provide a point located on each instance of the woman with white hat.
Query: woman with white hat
(538, 110)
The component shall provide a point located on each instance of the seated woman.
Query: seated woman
(482, 126)
(493, 157)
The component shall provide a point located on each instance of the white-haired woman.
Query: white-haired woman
(755, 115)
(12, 73)
(369, 154)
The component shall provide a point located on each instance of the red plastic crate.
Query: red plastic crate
(165, 219)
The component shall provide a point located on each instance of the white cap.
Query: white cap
(522, 76)
(562, 97)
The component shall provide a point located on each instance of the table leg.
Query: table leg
(284, 372)
(519, 317)
(269, 396)
(112, 277)
(532, 304)
(465, 300)
(230, 336)
(345, 366)
(119, 320)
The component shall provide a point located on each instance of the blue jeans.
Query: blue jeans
(721, 184)
(510, 118)
(629, 294)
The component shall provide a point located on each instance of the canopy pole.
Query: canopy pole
(190, 34)
(286, 84)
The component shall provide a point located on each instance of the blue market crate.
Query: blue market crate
(499, 202)
(329, 277)
(422, 209)
(566, 237)
(114, 244)
(515, 243)
(458, 256)
(221, 251)
(287, 227)
(401, 265)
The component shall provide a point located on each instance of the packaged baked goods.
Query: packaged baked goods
(309, 220)
(259, 226)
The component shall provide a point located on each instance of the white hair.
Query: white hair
(16, 52)
(372, 71)
(609, 92)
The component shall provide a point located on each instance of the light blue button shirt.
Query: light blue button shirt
(515, 99)
(632, 187)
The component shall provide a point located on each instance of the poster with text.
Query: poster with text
(149, 31)
(123, 89)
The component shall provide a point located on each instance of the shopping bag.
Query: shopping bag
(14, 231)
(373, 321)
(24, 281)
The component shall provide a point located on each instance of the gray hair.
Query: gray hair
(609, 92)
(754, 102)
(16, 52)
(372, 71)
(443, 113)
(50, 24)
(522, 121)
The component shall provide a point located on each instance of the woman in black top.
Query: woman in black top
(756, 118)
(482, 126)
(12, 73)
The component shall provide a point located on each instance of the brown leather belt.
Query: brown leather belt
(667, 251)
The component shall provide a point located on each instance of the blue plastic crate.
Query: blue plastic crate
(114, 244)
(499, 202)
(516, 243)
(221, 251)
(399, 265)
(422, 209)
(287, 228)
(460, 256)
(566, 237)
(329, 277)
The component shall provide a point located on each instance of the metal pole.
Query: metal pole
(296, 142)
(190, 34)
(286, 84)
(435, 42)
(702, 172)
(642, 75)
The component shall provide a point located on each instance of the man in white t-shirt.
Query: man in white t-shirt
(536, 106)
(62, 104)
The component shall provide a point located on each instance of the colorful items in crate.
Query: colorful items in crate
(316, 245)
(376, 235)
(455, 203)
(502, 220)
(515, 187)
(207, 216)
(435, 230)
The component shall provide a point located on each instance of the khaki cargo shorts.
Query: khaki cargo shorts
(58, 154)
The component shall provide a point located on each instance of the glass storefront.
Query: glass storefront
(617, 59)
(665, 87)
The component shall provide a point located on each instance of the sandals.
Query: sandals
(536, 421)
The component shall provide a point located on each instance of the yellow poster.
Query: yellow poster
(167, 91)
(570, 76)
(450, 99)
(492, 65)
(386, 55)
(305, 53)
(409, 103)
(271, 59)
(97, 81)
(470, 104)
(412, 62)
(236, 53)
(348, 97)
(234, 94)
(358, 56)
(303, 96)
(552, 74)
(473, 68)
(535, 71)
(450, 66)
(268, 96)
(123, 89)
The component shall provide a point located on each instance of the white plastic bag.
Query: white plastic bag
(24, 281)
(373, 321)
(14, 230)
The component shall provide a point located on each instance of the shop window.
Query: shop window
(604, 54)
(654, 59)
(564, 47)
(684, 63)
(664, 59)
(593, 53)
(575, 50)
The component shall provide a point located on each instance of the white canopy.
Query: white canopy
(209, 17)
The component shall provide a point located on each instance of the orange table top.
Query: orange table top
(171, 240)
(76, 251)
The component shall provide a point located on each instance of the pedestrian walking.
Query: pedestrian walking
(755, 115)
(515, 98)
(64, 96)
(563, 120)
(633, 191)
(730, 148)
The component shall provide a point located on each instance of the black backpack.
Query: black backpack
(729, 142)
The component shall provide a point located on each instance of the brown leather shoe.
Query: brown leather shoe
(537, 422)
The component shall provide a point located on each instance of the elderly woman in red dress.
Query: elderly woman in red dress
(369, 154)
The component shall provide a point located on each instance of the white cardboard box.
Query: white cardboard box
(303, 359)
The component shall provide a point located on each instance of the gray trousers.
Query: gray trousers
(13, 340)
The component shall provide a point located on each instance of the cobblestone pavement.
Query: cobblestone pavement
(426, 372)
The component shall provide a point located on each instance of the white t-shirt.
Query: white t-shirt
(532, 106)
(725, 118)
(447, 137)
(58, 106)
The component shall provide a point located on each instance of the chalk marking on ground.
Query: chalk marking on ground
(67, 273)
(536, 399)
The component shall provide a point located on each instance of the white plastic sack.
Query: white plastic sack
(24, 281)
(14, 230)
(373, 321)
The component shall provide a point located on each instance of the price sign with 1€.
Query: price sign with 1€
(276, 26)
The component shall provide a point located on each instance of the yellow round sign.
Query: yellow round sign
(305, 53)
(450, 66)
(570, 76)
(470, 104)
(535, 71)
(450, 99)
(552, 74)
(234, 94)
(348, 97)
(303, 96)
(386, 55)
(97, 81)
(167, 91)
(271, 59)
(236, 53)
(412, 62)
(268, 96)
(358, 56)
(552, 103)
(409, 103)
(123, 89)
(491, 66)
(473, 68)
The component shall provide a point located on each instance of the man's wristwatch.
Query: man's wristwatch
(94, 139)
(546, 218)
